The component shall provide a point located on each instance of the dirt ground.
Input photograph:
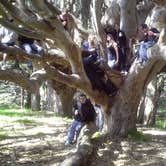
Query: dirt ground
(42, 144)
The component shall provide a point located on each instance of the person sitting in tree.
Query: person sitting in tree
(30, 45)
(63, 17)
(7, 38)
(150, 38)
(121, 40)
(112, 52)
(84, 113)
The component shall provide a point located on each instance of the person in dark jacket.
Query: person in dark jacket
(30, 46)
(84, 113)
(121, 40)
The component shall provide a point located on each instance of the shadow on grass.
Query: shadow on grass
(3, 136)
(27, 121)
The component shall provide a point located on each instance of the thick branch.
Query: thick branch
(22, 31)
(19, 78)
(23, 16)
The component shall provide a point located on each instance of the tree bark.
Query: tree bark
(128, 21)
(150, 102)
(35, 101)
(59, 98)
(85, 12)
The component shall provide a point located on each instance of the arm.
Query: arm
(117, 52)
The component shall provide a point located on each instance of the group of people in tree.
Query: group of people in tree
(116, 60)
(29, 45)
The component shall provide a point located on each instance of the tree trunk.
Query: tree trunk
(151, 100)
(85, 12)
(28, 100)
(141, 108)
(122, 117)
(35, 101)
(22, 98)
(59, 98)
(128, 21)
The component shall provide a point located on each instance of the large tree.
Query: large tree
(62, 61)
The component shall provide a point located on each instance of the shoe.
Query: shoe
(124, 72)
(67, 143)
(138, 61)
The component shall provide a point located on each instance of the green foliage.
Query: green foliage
(137, 136)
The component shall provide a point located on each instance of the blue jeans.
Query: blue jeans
(32, 48)
(143, 50)
(112, 63)
(74, 130)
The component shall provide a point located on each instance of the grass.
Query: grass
(26, 121)
(137, 136)
(13, 120)
(3, 136)
(162, 111)
(17, 112)
(40, 134)
(161, 119)
(160, 123)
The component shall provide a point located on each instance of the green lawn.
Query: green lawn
(161, 119)
(15, 121)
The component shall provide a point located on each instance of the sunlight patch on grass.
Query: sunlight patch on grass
(97, 135)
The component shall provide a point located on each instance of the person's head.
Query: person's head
(117, 27)
(64, 11)
(92, 41)
(85, 45)
(10, 19)
(109, 37)
(144, 28)
(82, 98)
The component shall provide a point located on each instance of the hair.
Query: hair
(65, 10)
(82, 95)
(111, 35)
(144, 26)
(10, 19)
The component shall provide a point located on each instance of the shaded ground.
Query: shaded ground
(151, 152)
(32, 140)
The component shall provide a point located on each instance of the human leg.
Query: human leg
(143, 50)
(72, 131)
(37, 49)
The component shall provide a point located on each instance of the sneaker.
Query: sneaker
(124, 72)
(67, 143)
